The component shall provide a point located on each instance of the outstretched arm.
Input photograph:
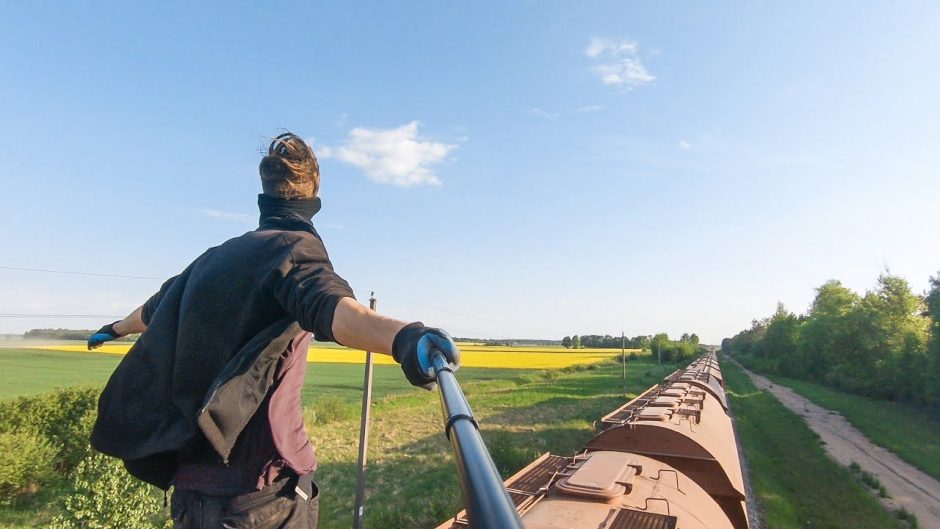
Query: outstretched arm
(362, 328)
(135, 322)
(409, 344)
(132, 324)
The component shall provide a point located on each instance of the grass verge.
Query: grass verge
(904, 429)
(796, 483)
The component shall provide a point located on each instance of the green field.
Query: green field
(412, 479)
(32, 371)
(796, 483)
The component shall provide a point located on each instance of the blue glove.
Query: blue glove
(413, 347)
(102, 335)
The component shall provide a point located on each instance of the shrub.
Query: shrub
(62, 417)
(105, 496)
(548, 374)
(331, 408)
(510, 454)
(905, 516)
(24, 462)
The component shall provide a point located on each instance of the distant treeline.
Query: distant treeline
(511, 342)
(65, 334)
(670, 350)
(885, 344)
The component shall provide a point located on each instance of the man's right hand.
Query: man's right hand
(413, 347)
(102, 335)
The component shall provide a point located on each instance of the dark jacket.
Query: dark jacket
(214, 336)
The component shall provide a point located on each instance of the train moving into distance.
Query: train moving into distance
(667, 459)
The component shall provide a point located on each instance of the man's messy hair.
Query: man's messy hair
(290, 169)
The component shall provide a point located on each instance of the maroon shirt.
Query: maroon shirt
(274, 443)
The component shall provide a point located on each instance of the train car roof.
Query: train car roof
(607, 490)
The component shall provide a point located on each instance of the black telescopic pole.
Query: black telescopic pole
(488, 504)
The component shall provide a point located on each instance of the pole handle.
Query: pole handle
(485, 496)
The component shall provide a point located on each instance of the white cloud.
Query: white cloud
(392, 156)
(229, 215)
(590, 108)
(618, 63)
(684, 145)
(543, 113)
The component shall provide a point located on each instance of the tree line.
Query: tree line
(883, 344)
(65, 334)
(670, 350)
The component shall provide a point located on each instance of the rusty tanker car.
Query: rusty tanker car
(667, 459)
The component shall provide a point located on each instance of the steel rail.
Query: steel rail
(487, 502)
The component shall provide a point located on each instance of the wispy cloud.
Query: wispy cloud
(617, 63)
(684, 145)
(543, 113)
(395, 156)
(590, 108)
(229, 215)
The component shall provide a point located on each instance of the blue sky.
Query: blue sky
(534, 169)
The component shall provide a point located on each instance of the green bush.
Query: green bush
(105, 496)
(510, 454)
(904, 515)
(330, 408)
(24, 462)
(62, 417)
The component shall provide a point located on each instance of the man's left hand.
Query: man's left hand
(102, 335)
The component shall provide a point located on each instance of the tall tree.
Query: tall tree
(932, 303)
(829, 336)
(891, 357)
(566, 342)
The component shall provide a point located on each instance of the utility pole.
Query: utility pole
(364, 434)
(623, 360)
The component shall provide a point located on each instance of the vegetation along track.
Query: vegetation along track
(908, 487)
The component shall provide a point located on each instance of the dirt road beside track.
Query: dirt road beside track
(908, 487)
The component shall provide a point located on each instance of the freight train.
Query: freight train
(667, 459)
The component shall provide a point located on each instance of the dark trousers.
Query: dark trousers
(278, 506)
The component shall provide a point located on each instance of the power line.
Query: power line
(149, 278)
(68, 272)
(24, 315)
(500, 324)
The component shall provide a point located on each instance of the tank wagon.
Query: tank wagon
(665, 460)
(684, 422)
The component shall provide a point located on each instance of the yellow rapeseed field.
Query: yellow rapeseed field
(472, 355)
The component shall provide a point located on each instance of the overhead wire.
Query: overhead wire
(24, 315)
(95, 274)
(126, 276)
